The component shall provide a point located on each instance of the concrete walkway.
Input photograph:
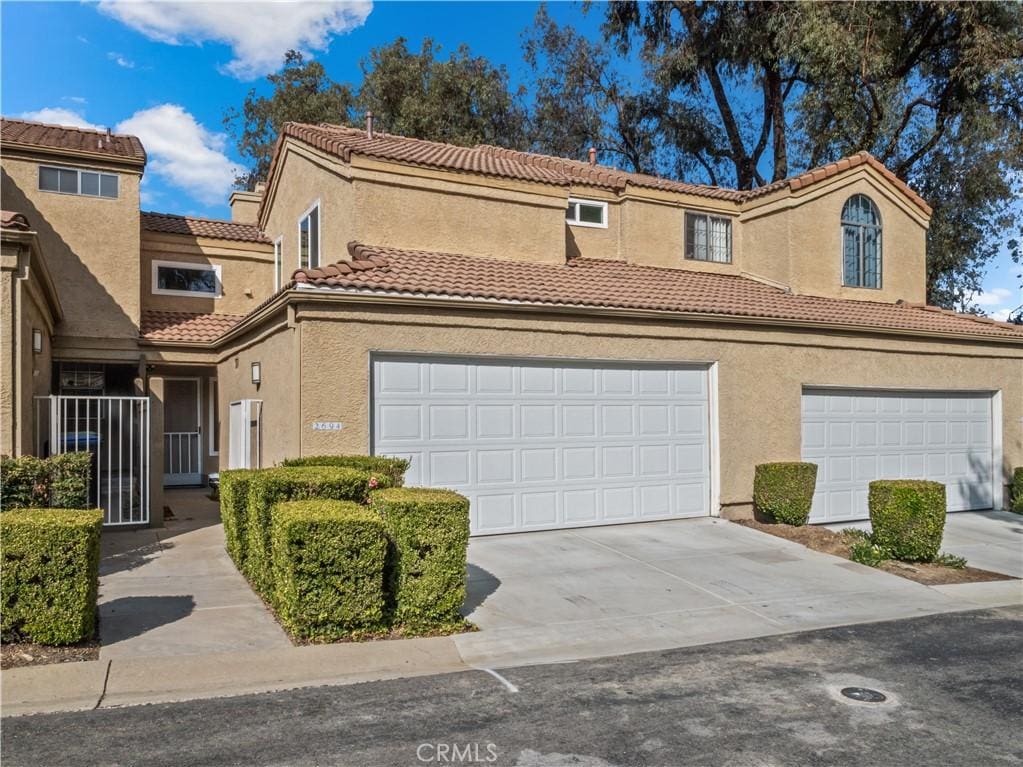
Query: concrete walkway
(174, 591)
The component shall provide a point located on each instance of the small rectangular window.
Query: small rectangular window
(88, 183)
(186, 279)
(708, 238)
(309, 238)
(587, 213)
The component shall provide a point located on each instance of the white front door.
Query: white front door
(856, 436)
(182, 432)
(540, 444)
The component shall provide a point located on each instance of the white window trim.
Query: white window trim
(79, 172)
(278, 258)
(708, 215)
(158, 291)
(319, 235)
(599, 203)
(214, 448)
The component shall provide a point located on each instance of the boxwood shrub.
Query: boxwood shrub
(907, 517)
(428, 534)
(234, 501)
(1017, 490)
(269, 487)
(49, 574)
(784, 491)
(328, 568)
(388, 472)
(58, 482)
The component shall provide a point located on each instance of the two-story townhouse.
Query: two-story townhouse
(570, 344)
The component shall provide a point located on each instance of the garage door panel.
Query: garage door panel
(541, 444)
(858, 437)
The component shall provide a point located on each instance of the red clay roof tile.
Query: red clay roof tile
(185, 327)
(202, 227)
(617, 285)
(10, 219)
(44, 136)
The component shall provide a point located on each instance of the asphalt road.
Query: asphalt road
(954, 685)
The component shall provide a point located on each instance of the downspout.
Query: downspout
(296, 382)
(16, 357)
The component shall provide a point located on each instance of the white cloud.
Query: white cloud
(76, 99)
(259, 33)
(120, 60)
(1002, 315)
(59, 116)
(993, 297)
(183, 152)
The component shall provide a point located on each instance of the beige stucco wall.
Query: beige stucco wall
(246, 271)
(91, 246)
(797, 240)
(245, 207)
(277, 347)
(759, 397)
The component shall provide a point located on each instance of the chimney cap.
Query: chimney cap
(593, 155)
(369, 123)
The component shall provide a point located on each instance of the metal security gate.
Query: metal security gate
(115, 430)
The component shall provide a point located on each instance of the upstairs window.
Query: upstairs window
(708, 238)
(861, 243)
(309, 238)
(172, 278)
(587, 213)
(76, 181)
(278, 263)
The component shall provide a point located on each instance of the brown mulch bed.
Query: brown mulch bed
(15, 654)
(835, 543)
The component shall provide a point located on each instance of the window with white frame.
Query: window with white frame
(278, 263)
(214, 417)
(174, 278)
(708, 238)
(89, 183)
(309, 238)
(861, 243)
(587, 213)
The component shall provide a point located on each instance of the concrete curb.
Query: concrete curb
(166, 679)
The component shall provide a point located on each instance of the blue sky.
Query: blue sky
(168, 71)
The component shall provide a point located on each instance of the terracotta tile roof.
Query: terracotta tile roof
(833, 169)
(617, 285)
(343, 142)
(44, 136)
(202, 227)
(10, 219)
(185, 326)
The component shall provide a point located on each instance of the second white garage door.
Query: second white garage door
(856, 436)
(539, 445)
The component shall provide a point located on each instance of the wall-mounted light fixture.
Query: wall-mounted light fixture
(37, 340)
(256, 373)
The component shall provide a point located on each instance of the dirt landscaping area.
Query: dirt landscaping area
(17, 654)
(837, 543)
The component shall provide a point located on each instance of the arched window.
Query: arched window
(861, 243)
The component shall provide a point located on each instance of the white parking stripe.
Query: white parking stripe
(508, 685)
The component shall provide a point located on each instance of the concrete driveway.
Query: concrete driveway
(571, 594)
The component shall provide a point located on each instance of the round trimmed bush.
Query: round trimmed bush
(908, 518)
(1017, 491)
(784, 491)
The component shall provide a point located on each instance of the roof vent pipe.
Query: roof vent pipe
(593, 155)
(369, 124)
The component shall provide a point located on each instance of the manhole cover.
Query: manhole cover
(864, 694)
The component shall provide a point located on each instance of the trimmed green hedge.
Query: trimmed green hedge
(49, 575)
(58, 482)
(328, 568)
(784, 491)
(234, 502)
(907, 517)
(269, 487)
(1017, 491)
(388, 472)
(428, 534)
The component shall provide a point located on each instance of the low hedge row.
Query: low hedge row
(49, 574)
(58, 482)
(388, 472)
(784, 491)
(1016, 495)
(234, 504)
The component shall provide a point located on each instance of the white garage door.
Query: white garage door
(858, 436)
(540, 445)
